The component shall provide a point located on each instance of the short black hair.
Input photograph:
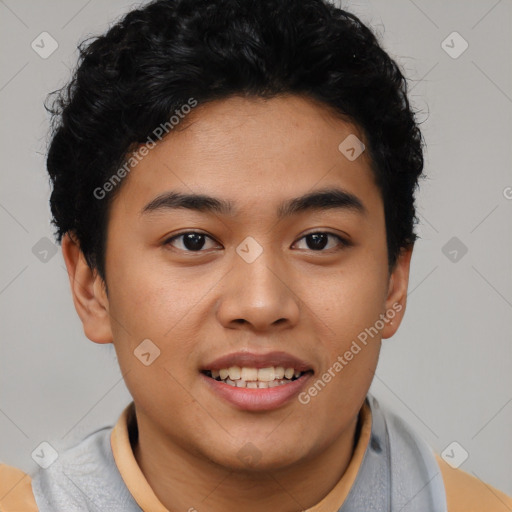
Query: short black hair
(150, 63)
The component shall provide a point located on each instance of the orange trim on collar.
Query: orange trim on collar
(127, 465)
(337, 496)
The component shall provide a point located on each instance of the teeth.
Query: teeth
(234, 372)
(256, 384)
(288, 373)
(266, 374)
(256, 378)
(249, 374)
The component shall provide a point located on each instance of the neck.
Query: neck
(185, 481)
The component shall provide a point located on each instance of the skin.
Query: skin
(198, 306)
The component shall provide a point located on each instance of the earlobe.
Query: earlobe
(88, 291)
(397, 292)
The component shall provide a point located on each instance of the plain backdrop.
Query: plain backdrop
(448, 369)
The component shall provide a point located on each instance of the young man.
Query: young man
(233, 187)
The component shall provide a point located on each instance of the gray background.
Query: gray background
(447, 370)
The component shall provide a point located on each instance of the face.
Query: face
(250, 284)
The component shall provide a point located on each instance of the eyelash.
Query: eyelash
(343, 243)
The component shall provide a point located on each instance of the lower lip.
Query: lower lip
(256, 399)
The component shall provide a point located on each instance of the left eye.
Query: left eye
(319, 241)
(190, 241)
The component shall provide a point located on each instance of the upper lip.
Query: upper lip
(255, 360)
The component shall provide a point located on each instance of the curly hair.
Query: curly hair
(130, 80)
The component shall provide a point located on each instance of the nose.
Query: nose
(258, 296)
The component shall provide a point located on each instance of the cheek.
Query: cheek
(346, 312)
(152, 299)
(153, 340)
(349, 299)
(347, 304)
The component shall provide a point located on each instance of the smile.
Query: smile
(255, 378)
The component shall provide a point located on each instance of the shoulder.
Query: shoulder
(466, 493)
(463, 492)
(16, 490)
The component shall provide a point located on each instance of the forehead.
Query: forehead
(252, 149)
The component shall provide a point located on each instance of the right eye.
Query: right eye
(190, 241)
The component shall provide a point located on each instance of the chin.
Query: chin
(254, 457)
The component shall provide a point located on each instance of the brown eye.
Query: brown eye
(319, 241)
(191, 241)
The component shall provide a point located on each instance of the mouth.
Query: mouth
(256, 378)
(256, 382)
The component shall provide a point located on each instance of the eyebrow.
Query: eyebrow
(325, 199)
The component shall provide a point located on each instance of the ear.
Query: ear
(89, 292)
(397, 292)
